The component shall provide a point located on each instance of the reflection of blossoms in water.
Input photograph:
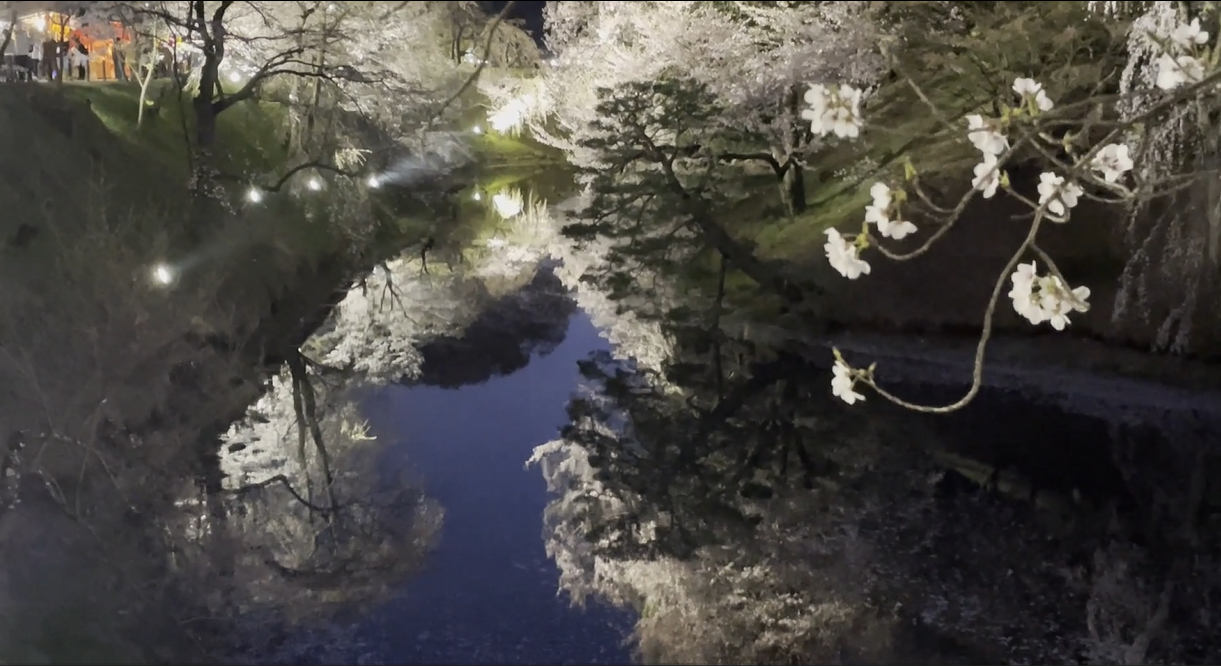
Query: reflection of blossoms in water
(374, 335)
(376, 329)
(333, 529)
(632, 337)
(260, 446)
(534, 234)
(566, 468)
(794, 584)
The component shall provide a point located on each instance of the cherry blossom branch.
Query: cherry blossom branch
(977, 369)
(1038, 298)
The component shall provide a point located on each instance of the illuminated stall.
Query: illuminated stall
(102, 41)
(100, 37)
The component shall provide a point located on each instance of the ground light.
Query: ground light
(506, 205)
(477, 129)
(477, 196)
(314, 184)
(235, 76)
(253, 195)
(163, 275)
(374, 182)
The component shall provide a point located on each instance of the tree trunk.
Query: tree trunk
(211, 482)
(204, 172)
(718, 306)
(742, 257)
(793, 185)
(456, 47)
(145, 81)
(303, 459)
(205, 209)
(311, 114)
(205, 110)
(8, 34)
(309, 405)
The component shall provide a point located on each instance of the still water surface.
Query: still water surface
(488, 594)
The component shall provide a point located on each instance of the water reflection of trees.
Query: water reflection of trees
(707, 480)
(324, 528)
(313, 522)
(749, 519)
(502, 339)
(692, 508)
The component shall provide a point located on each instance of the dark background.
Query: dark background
(529, 11)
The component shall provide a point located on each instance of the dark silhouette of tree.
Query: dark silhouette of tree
(501, 340)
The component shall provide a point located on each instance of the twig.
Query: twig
(281, 479)
(487, 49)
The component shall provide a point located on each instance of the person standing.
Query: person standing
(50, 59)
(82, 60)
(35, 59)
(63, 53)
(119, 58)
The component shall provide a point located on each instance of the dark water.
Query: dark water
(488, 595)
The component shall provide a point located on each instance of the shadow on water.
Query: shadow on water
(488, 593)
(503, 338)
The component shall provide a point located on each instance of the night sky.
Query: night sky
(531, 11)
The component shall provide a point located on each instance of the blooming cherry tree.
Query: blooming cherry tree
(754, 57)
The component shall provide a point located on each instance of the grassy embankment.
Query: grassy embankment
(250, 144)
(958, 76)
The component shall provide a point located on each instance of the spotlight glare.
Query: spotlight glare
(163, 275)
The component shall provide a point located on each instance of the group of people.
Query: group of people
(49, 60)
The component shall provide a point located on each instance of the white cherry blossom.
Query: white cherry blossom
(896, 229)
(833, 110)
(1058, 195)
(1031, 89)
(1057, 301)
(843, 384)
(1037, 298)
(987, 176)
(844, 256)
(987, 140)
(1042, 299)
(1022, 294)
(878, 211)
(1112, 161)
(1173, 72)
(1189, 35)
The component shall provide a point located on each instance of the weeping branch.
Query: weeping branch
(307, 417)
